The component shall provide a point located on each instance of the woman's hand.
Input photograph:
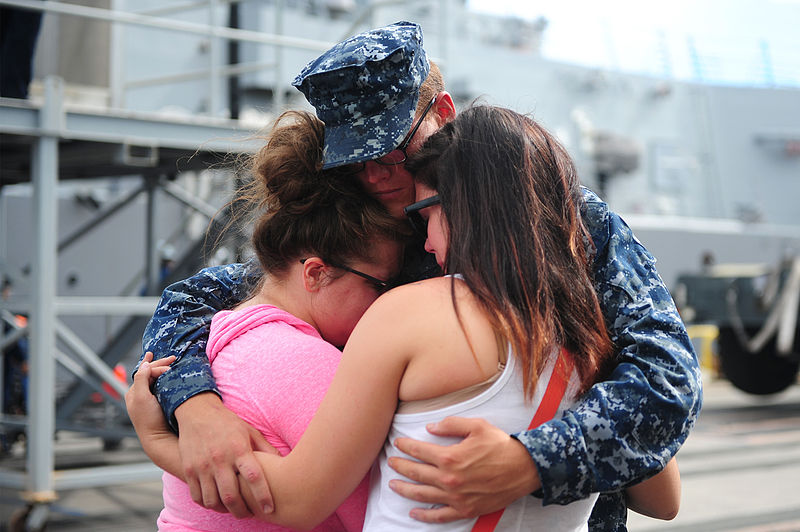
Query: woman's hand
(145, 412)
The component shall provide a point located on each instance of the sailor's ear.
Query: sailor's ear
(444, 109)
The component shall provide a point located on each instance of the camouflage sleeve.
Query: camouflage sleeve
(627, 427)
(180, 327)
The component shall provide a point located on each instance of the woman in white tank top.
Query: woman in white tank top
(500, 199)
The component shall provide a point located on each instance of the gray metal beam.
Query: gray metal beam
(152, 259)
(104, 475)
(126, 17)
(93, 306)
(180, 194)
(89, 357)
(41, 393)
(85, 376)
(131, 128)
(99, 306)
(12, 479)
(89, 477)
(98, 219)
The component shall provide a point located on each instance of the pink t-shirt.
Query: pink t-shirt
(273, 370)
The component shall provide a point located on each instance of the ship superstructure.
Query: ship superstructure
(112, 168)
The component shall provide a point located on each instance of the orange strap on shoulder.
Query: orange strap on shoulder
(556, 387)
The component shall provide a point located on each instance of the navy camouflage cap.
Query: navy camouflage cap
(365, 89)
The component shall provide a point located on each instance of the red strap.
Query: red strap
(488, 522)
(556, 387)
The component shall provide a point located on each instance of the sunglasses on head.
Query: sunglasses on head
(416, 220)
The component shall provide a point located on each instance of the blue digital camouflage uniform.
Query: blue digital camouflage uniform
(628, 426)
(365, 89)
(624, 429)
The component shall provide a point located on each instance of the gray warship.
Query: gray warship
(115, 172)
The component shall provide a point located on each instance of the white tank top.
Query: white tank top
(504, 406)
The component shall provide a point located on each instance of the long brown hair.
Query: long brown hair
(302, 209)
(511, 197)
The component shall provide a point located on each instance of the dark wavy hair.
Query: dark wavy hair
(511, 197)
(303, 210)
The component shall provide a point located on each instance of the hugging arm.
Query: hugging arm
(180, 327)
(631, 424)
(349, 428)
(158, 442)
(659, 496)
(624, 429)
(340, 444)
(215, 444)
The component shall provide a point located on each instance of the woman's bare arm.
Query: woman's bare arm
(348, 430)
(158, 441)
(659, 496)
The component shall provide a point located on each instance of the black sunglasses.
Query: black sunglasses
(397, 155)
(379, 285)
(416, 220)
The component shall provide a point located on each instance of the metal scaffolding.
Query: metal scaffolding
(40, 130)
(34, 137)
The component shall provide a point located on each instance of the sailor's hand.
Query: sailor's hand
(216, 447)
(483, 473)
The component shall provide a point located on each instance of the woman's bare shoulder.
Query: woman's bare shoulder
(421, 305)
(429, 288)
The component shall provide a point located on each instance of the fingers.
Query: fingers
(194, 486)
(141, 383)
(482, 473)
(421, 473)
(161, 362)
(456, 426)
(440, 455)
(217, 455)
(418, 492)
(208, 494)
(259, 443)
(143, 373)
(228, 485)
(203, 487)
(444, 514)
(150, 370)
(424, 451)
(219, 490)
(252, 475)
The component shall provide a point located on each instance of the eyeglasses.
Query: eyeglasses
(397, 155)
(379, 285)
(416, 220)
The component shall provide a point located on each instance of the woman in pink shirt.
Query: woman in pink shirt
(326, 248)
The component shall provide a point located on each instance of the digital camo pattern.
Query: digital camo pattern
(180, 327)
(627, 427)
(365, 89)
